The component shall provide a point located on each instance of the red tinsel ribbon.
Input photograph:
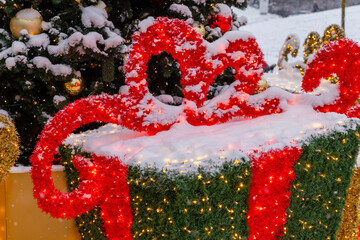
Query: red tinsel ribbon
(224, 23)
(199, 63)
(103, 180)
(272, 173)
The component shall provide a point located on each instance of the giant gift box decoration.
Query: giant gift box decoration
(105, 181)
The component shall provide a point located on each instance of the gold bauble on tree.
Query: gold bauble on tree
(263, 83)
(75, 86)
(28, 19)
(199, 28)
(261, 86)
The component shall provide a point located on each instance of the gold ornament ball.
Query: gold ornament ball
(9, 145)
(74, 87)
(263, 83)
(199, 28)
(28, 19)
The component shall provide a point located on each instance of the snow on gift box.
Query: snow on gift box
(283, 173)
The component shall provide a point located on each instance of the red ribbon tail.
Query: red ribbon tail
(272, 173)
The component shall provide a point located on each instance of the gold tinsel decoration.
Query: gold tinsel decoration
(312, 44)
(333, 33)
(9, 145)
(351, 214)
(290, 46)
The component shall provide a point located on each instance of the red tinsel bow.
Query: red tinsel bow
(104, 179)
(224, 23)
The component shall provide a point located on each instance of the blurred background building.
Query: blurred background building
(290, 7)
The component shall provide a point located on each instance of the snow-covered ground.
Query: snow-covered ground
(271, 30)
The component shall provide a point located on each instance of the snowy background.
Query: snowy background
(271, 30)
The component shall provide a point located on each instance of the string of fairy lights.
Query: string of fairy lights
(202, 205)
(328, 201)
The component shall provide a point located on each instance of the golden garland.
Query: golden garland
(312, 44)
(332, 33)
(351, 214)
(9, 145)
(290, 46)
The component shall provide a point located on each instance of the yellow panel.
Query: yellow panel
(2, 211)
(23, 217)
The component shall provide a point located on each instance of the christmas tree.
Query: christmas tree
(53, 52)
